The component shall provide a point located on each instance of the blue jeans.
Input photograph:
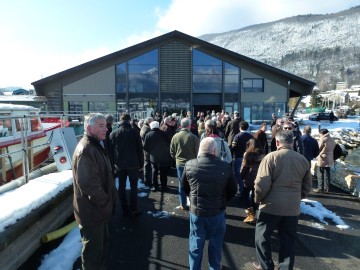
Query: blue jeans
(201, 229)
(237, 167)
(182, 195)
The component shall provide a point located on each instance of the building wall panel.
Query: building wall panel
(175, 67)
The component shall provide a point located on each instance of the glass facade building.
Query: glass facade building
(214, 84)
(171, 73)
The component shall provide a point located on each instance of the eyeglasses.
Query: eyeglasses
(288, 128)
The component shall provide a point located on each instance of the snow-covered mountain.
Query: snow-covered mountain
(321, 48)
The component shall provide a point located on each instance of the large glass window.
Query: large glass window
(144, 73)
(253, 85)
(120, 75)
(139, 105)
(98, 106)
(256, 112)
(231, 78)
(231, 103)
(268, 109)
(120, 104)
(207, 73)
(280, 109)
(75, 107)
(175, 102)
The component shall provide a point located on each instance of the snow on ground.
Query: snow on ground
(352, 123)
(30, 196)
(317, 210)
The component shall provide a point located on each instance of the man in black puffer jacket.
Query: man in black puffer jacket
(128, 156)
(209, 182)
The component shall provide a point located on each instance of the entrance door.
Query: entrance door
(206, 102)
(205, 108)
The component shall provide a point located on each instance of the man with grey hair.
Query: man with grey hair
(183, 147)
(283, 179)
(94, 192)
(209, 182)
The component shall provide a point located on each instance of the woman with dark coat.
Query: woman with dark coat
(249, 168)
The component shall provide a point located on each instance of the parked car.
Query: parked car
(321, 116)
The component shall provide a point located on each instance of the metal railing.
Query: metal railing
(20, 129)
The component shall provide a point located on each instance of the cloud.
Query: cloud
(22, 64)
(25, 64)
(211, 16)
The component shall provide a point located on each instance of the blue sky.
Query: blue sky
(39, 38)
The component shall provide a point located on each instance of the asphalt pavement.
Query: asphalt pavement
(154, 243)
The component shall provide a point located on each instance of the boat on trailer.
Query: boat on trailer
(22, 135)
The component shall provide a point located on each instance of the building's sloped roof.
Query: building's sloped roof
(174, 35)
(21, 98)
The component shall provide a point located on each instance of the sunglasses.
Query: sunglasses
(288, 128)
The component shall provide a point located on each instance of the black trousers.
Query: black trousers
(164, 170)
(133, 178)
(95, 241)
(324, 183)
(287, 230)
(147, 169)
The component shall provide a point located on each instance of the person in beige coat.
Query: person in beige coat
(283, 179)
(325, 160)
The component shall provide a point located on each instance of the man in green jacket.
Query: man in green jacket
(183, 147)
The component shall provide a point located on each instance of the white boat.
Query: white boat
(18, 122)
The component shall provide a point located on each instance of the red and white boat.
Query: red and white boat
(22, 133)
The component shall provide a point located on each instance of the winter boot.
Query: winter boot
(250, 216)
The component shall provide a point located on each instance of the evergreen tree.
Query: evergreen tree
(315, 99)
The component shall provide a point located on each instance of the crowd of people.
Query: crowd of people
(216, 158)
